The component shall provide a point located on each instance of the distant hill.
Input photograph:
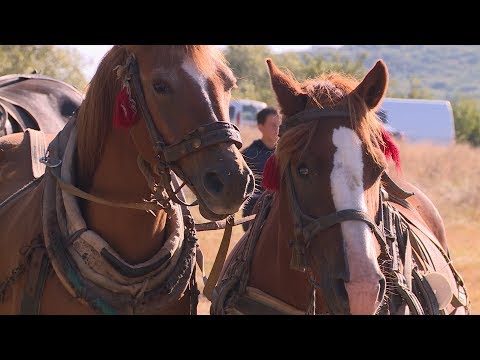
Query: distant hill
(447, 72)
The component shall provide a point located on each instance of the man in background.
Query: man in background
(256, 155)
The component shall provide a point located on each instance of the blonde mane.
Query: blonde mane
(332, 90)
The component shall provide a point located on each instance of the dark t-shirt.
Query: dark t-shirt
(255, 156)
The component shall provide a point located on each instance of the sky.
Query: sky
(94, 53)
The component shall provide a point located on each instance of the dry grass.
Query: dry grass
(449, 175)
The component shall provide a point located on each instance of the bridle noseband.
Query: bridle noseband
(167, 155)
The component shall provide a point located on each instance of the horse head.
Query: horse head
(174, 101)
(329, 159)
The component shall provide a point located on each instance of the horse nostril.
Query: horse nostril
(213, 183)
(250, 184)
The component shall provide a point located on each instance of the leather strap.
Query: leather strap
(38, 147)
(3, 118)
(393, 188)
(36, 277)
(324, 222)
(20, 192)
(426, 291)
(206, 135)
(14, 113)
(84, 195)
(414, 220)
(410, 298)
(218, 225)
(309, 115)
(267, 304)
(219, 260)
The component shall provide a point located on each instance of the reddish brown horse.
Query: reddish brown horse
(335, 234)
(108, 211)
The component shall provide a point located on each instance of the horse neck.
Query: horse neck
(270, 269)
(136, 235)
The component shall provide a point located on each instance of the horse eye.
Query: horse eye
(303, 171)
(161, 88)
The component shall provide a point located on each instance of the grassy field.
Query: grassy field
(449, 175)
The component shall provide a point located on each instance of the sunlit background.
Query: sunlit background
(94, 53)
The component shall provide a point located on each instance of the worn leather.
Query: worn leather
(38, 102)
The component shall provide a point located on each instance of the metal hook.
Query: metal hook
(45, 161)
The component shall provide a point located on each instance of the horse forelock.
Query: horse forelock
(208, 60)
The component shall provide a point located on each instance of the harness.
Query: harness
(393, 231)
(166, 155)
(23, 98)
(59, 242)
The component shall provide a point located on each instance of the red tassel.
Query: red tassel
(271, 175)
(125, 116)
(390, 150)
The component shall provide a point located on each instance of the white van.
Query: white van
(244, 111)
(421, 120)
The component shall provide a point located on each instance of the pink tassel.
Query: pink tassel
(391, 150)
(125, 116)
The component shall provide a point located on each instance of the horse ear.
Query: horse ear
(374, 85)
(289, 95)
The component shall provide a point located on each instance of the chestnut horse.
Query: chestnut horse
(335, 233)
(108, 215)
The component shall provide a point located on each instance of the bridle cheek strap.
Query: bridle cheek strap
(307, 228)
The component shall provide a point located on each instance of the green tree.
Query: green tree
(417, 90)
(60, 63)
(316, 65)
(248, 64)
(467, 121)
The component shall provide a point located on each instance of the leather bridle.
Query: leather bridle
(167, 155)
(306, 227)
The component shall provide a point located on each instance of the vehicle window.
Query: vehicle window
(249, 113)
(382, 114)
(231, 111)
